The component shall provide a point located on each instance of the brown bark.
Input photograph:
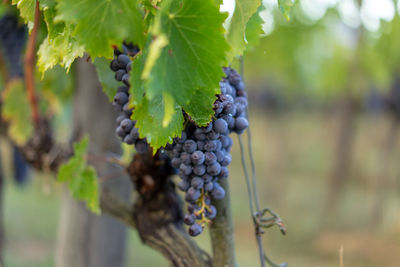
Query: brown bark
(221, 230)
(84, 239)
(158, 214)
(30, 65)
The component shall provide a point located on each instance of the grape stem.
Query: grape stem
(29, 61)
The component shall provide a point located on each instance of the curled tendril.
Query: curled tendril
(267, 222)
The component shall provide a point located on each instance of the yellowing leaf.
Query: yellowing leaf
(16, 111)
(62, 49)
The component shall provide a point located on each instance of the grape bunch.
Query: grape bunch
(126, 129)
(202, 155)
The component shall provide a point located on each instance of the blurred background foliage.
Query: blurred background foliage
(325, 107)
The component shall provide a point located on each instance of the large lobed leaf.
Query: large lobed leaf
(100, 24)
(244, 10)
(181, 70)
(81, 178)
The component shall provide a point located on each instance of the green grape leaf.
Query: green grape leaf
(100, 24)
(63, 50)
(44, 4)
(244, 10)
(285, 7)
(81, 178)
(106, 77)
(151, 116)
(16, 111)
(185, 58)
(53, 28)
(27, 8)
(254, 29)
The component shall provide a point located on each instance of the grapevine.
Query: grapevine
(201, 154)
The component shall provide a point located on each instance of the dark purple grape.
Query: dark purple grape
(123, 60)
(242, 100)
(240, 86)
(220, 126)
(198, 157)
(186, 158)
(120, 118)
(199, 170)
(207, 178)
(210, 158)
(119, 73)
(220, 155)
(210, 145)
(195, 229)
(129, 67)
(120, 132)
(182, 139)
(126, 125)
(230, 109)
(208, 186)
(207, 128)
(211, 212)
(127, 110)
(224, 172)
(212, 135)
(134, 133)
(189, 219)
(114, 65)
(197, 182)
(193, 194)
(214, 169)
(185, 169)
(125, 79)
(129, 139)
(200, 145)
(227, 160)
(224, 141)
(183, 185)
(121, 98)
(199, 135)
(241, 123)
(218, 192)
(234, 78)
(189, 146)
(192, 208)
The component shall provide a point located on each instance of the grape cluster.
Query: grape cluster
(202, 155)
(126, 129)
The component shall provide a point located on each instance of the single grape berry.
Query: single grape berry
(195, 229)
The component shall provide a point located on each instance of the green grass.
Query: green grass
(293, 154)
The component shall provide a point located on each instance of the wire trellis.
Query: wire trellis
(260, 220)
